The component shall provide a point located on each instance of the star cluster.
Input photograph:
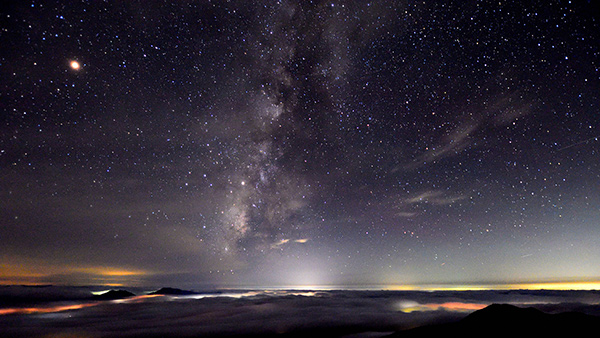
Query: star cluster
(278, 143)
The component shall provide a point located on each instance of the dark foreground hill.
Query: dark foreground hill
(505, 320)
(172, 292)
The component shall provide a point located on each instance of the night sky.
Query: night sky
(299, 143)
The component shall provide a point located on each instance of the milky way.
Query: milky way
(284, 143)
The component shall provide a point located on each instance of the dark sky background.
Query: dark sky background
(292, 143)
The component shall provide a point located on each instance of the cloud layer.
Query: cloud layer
(268, 312)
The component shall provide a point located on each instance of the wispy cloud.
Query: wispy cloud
(406, 214)
(408, 206)
(436, 197)
(279, 243)
(450, 145)
(501, 111)
(509, 108)
(284, 241)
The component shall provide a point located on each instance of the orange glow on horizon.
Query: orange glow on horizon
(110, 272)
(31, 310)
(408, 307)
(578, 285)
(60, 308)
(573, 285)
(456, 306)
(39, 273)
(135, 299)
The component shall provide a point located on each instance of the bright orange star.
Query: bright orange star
(75, 65)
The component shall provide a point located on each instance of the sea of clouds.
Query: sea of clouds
(65, 311)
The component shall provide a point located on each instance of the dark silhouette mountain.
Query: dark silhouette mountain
(172, 291)
(504, 320)
(114, 294)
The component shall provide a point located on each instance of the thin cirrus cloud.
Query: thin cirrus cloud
(435, 197)
(280, 243)
(503, 111)
(407, 205)
(450, 145)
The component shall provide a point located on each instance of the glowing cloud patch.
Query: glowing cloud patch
(408, 306)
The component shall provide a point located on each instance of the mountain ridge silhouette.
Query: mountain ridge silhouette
(505, 320)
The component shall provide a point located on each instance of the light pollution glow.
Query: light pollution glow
(61, 308)
(572, 285)
(51, 309)
(550, 285)
(404, 306)
(409, 306)
(121, 276)
(47, 274)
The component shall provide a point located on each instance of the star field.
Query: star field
(287, 143)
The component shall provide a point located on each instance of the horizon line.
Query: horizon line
(572, 285)
(587, 285)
